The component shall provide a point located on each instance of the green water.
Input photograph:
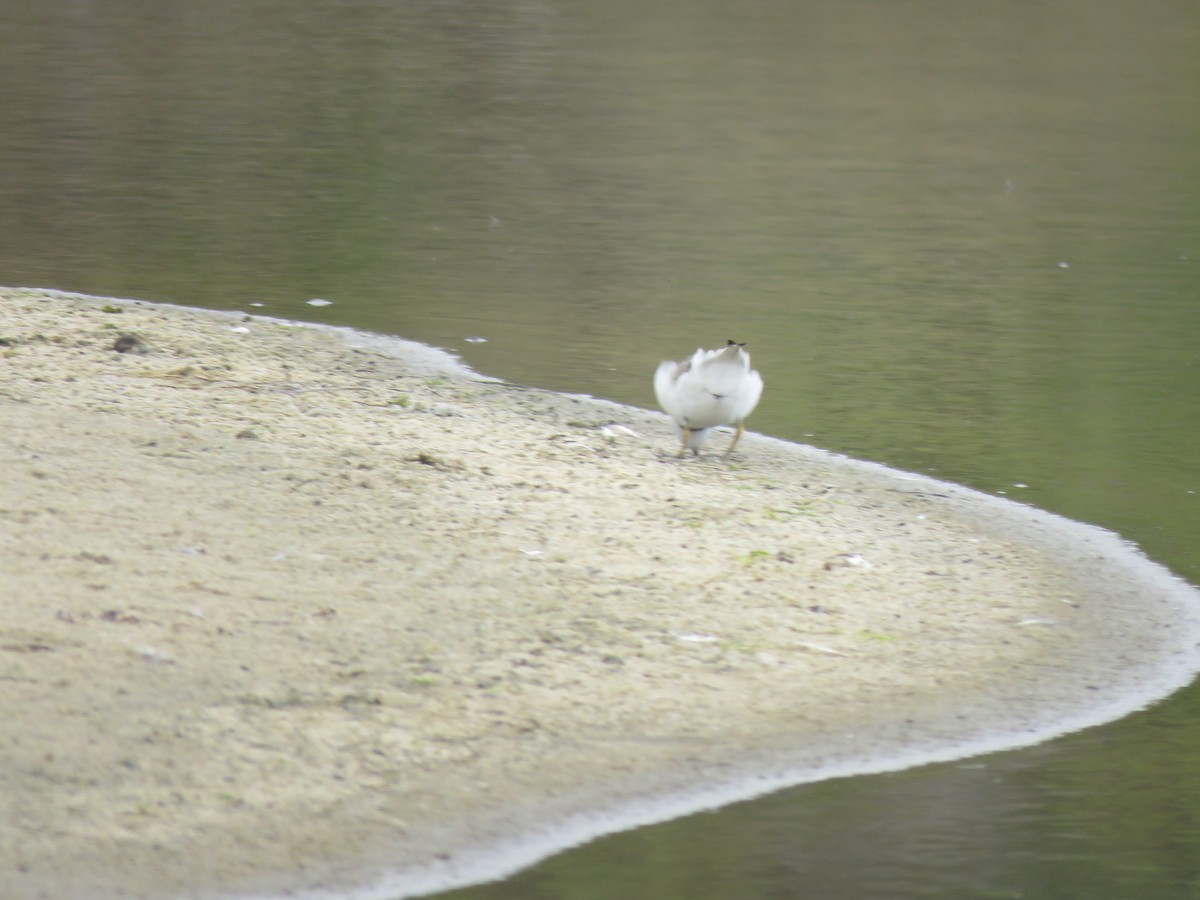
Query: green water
(959, 238)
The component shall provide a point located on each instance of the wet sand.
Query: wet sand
(297, 609)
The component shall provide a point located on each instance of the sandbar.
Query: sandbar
(299, 610)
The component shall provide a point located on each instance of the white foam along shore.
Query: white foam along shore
(1050, 626)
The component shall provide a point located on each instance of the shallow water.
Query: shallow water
(959, 240)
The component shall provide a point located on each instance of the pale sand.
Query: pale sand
(284, 613)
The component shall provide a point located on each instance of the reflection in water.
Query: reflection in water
(961, 239)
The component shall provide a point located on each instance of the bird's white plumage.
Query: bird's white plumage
(713, 387)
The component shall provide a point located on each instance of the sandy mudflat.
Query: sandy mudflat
(285, 613)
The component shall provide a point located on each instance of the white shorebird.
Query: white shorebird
(713, 387)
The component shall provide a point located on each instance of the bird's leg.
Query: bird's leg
(687, 436)
(736, 437)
